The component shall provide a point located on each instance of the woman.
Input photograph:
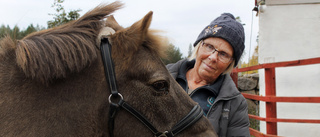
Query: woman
(205, 76)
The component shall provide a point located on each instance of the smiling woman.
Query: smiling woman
(205, 76)
(210, 62)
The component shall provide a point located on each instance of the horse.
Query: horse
(53, 82)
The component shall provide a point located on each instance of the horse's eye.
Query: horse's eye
(161, 85)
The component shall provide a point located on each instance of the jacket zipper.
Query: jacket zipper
(214, 104)
(209, 111)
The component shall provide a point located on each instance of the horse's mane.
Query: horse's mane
(53, 53)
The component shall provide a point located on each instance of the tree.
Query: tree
(16, 33)
(173, 55)
(252, 62)
(4, 30)
(61, 17)
(31, 29)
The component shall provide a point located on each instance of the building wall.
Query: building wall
(290, 30)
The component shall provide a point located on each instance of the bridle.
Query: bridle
(193, 116)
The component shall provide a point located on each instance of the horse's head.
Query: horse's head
(53, 83)
(144, 81)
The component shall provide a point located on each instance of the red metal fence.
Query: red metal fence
(271, 99)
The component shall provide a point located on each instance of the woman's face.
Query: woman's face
(209, 65)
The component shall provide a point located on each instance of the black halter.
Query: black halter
(194, 115)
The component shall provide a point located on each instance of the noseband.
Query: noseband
(194, 115)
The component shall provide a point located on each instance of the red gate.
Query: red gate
(271, 99)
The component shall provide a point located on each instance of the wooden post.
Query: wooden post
(234, 76)
(271, 107)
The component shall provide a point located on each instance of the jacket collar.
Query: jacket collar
(214, 87)
(228, 89)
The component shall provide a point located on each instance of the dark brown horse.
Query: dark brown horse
(52, 82)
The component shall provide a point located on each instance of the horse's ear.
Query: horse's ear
(111, 22)
(143, 24)
(129, 40)
(139, 29)
(136, 34)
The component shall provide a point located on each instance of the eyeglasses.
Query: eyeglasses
(222, 56)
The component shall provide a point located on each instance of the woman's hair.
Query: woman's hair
(195, 53)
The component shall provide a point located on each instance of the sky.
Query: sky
(180, 20)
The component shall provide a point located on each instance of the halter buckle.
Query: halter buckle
(163, 134)
(111, 95)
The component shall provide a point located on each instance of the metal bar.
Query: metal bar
(282, 99)
(247, 68)
(257, 117)
(316, 121)
(256, 133)
(271, 107)
(234, 76)
(280, 64)
(271, 99)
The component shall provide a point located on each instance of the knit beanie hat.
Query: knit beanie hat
(227, 28)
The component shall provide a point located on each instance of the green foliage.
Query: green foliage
(61, 17)
(255, 124)
(239, 20)
(173, 55)
(13, 33)
(4, 30)
(252, 62)
(262, 2)
(16, 33)
(31, 29)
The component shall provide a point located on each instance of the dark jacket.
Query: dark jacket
(234, 116)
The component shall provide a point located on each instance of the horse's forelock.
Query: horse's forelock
(125, 46)
(157, 43)
(68, 48)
